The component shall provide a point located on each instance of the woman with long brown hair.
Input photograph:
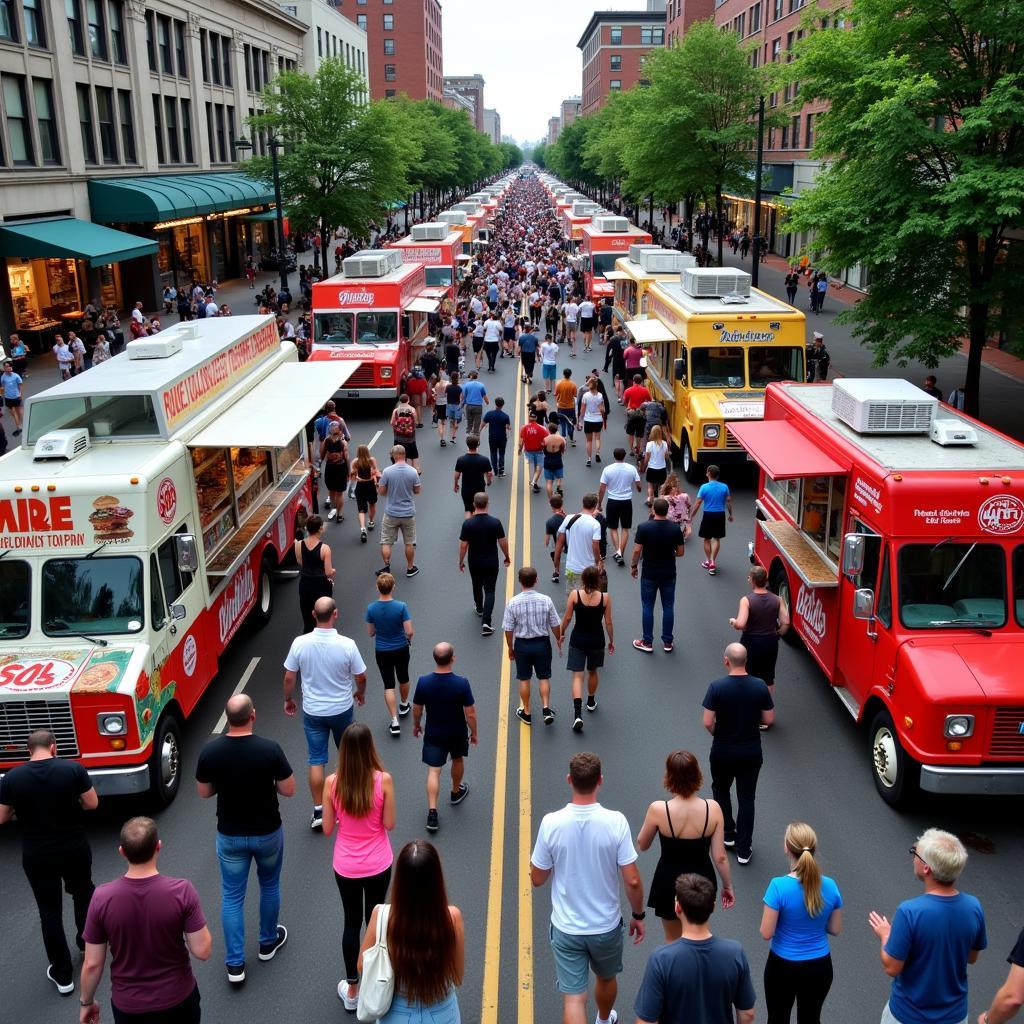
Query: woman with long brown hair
(425, 938)
(360, 799)
(364, 475)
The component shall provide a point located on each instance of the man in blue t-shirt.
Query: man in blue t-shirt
(474, 398)
(698, 977)
(498, 423)
(527, 350)
(451, 726)
(932, 938)
(716, 500)
(388, 622)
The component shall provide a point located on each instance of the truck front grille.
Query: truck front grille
(1007, 735)
(362, 378)
(732, 442)
(20, 717)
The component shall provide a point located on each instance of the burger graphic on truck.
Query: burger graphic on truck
(110, 519)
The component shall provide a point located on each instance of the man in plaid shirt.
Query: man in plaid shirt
(528, 618)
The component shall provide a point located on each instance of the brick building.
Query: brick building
(681, 14)
(570, 110)
(472, 88)
(404, 46)
(614, 45)
(554, 129)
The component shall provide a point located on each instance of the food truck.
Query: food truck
(437, 246)
(141, 522)
(375, 311)
(893, 526)
(573, 218)
(715, 343)
(602, 242)
(635, 273)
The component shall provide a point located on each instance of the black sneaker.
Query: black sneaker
(413, 570)
(394, 728)
(486, 629)
(404, 707)
(554, 577)
(65, 988)
(549, 715)
(577, 724)
(460, 795)
(236, 973)
(479, 612)
(597, 457)
(524, 717)
(591, 703)
(269, 950)
(316, 821)
(432, 823)
(386, 568)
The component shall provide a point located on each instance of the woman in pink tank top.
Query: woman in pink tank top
(359, 798)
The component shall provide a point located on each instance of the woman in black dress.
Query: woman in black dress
(334, 459)
(316, 571)
(691, 832)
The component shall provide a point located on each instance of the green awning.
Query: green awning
(265, 215)
(162, 197)
(69, 238)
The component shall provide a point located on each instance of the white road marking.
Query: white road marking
(375, 438)
(246, 676)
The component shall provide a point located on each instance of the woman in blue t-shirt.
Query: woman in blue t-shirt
(801, 910)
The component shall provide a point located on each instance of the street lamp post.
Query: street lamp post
(758, 240)
(274, 144)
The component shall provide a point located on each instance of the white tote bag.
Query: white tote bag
(377, 983)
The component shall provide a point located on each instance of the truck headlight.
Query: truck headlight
(958, 727)
(112, 724)
(385, 372)
(712, 432)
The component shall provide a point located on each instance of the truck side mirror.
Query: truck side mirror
(178, 612)
(853, 554)
(679, 370)
(864, 604)
(186, 552)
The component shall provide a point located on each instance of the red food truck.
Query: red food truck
(375, 311)
(602, 242)
(437, 246)
(893, 526)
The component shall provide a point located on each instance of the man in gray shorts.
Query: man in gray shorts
(399, 485)
(586, 847)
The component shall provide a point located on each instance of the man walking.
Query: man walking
(498, 426)
(151, 924)
(932, 938)
(389, 623)
(565, 403)
(49, 794)
(528, 619)
(247, 773)
(717, 500)
(481, 537)
(736, 706)
(580, 537)
(492, 340)
(473, 473)
(333, 678)
(659, 543)
(549, 360)
(474, 398)
(526, 349)
(618, 481)
(399, 484)
(700, 977)
(403, 424)
(531, 441)
(584, 848)
(450, 729)
(818, 360)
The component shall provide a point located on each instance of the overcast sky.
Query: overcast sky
(526, 51)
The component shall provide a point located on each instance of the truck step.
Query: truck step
(848, 702)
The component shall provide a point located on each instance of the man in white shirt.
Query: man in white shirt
(571, 313)
(137, 314)
(617, 483)
(211, 305)
(580, 537)
(476, 305)
(583, 848)
(588, 312)
(333, 677)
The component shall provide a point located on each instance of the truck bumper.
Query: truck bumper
(344, 393)
(972, 781)
(120, 781)
(722, 456)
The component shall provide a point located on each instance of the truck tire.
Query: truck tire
(263, 609)
(896, 774)
(165, 763)
(778, 583)
(692, 469)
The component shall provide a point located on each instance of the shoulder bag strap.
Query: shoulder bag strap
(382, 924)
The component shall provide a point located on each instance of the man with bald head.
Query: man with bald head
(447, 700)
(737, 707)
(247, 773)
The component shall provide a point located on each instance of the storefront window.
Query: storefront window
(716, 367)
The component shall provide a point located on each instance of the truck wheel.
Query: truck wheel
(896, 774)
(165, 761)
(778, 583)
(691, 467)
(263, 609)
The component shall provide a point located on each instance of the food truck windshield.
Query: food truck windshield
(723, 366)
(362, 328)
(602, 262)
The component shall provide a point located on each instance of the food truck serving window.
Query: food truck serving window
(439, 277)
(768, 364)
(92, 596)
(102, 415)
(15, 599)
(952, 583)
(717, 367)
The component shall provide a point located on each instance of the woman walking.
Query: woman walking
(360, 799)
(691, 832)
(440, 386)
(453, 395)
(801, 910)
(593, 613)
(364, 476)
(762, 618)
(316, 571)
(655, 463)
(593, 413)
(334, 459)
(425, 938)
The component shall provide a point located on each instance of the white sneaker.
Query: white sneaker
(332, 514)
(612, 1018)
(348, 1002)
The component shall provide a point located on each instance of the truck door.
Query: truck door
(175, 592)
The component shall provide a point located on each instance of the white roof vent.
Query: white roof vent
(162, 345)
(470, 208)
(714, 282)
(372, 263)
(952, 433)
(611, 225)
(872, 406)
(435, 231)
(452, 217)
(664, 261)
(61, 444)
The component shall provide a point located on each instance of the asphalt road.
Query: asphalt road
(816, 769)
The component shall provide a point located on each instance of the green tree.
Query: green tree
(512, 155)
(539, 154)
(343, 162)
(924, 183)
(565, 157)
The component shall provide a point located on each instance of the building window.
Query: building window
(616, 59)
(124, 105)
(785, 137)
(230, 111)
(319, 41)
(97, 30)
(85, 122)
(186, 131)
(614, 84)
(776, 9)
(49, 141)
(180, 49)
(389, 73)
(8, 21)
(755, 57)
(247, 61)
(18, 131)
(163, 35)
(809, 132)
(755, 18)
(795, 5)
(389, 94)
(218, 114)
(215, 58)
(389, 23)
(225, 57)
(615, 35)
(652, 36)
(361, 21)
(158, 126)
(776, 48)
(795, 131)
(105, 123)
(35, 26)
(74, 14)
(389, 47)
(173, 143)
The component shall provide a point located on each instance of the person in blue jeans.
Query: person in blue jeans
(498, 425)
(247, 773)
(658, 543)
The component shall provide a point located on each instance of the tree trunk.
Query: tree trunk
(977, 320)
(324, 257)
(650, 214)
(718, 220)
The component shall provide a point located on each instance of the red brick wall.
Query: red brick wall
(598, 74)
(681, 14)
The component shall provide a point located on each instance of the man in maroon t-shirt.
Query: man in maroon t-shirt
(531, 441)
(150, 922)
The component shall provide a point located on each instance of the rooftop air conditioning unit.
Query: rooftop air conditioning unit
(714, 282)
(661, 261)
(611, 225)
(160, 346)
(467, 207)
(635, 250)
(452, 217)
(584, 208)
(435, 231)
(873, 406)
(62, 444)
(372, 263)
(952, 433)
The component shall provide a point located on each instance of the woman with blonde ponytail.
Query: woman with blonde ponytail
(801, 910)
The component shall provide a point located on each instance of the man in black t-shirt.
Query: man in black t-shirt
(49, 794)
(481, 537)
(1008, 1000)
(659, 542)
(736, 706)
(475, 472)
(247, 773)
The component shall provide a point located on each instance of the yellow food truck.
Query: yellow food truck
(634, 274)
